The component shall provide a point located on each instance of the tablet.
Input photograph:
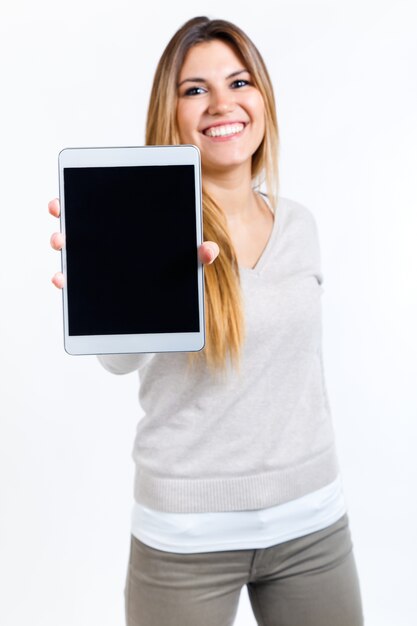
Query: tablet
(132, 220)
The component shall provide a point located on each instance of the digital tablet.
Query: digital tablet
(132, 221)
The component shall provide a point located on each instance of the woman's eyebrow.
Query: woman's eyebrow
(202, 80)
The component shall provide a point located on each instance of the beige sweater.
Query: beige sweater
(250, 440)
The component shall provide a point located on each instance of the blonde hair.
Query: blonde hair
(224, 308)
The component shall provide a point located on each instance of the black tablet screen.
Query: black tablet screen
(131, 250)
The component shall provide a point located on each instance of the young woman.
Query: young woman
(237, 481)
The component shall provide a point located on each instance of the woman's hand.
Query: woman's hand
(207, 252)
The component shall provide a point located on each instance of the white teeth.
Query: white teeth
(222, 131)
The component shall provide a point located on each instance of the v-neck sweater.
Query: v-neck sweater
(253, 438)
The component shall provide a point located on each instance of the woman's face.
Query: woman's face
(219, 109)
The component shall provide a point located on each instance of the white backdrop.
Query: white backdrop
(79, 74)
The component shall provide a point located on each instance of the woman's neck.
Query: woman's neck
(234, 193)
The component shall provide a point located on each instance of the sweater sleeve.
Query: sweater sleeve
(318, 253)
(316, 250)
(124, 363)
(312, 250)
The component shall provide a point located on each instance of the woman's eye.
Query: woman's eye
(193, 91)
(240, 82)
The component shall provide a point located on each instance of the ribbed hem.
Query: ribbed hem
(243, 493)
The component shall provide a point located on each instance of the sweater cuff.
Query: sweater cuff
(124, 363)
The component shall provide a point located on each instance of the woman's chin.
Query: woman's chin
(223, 165)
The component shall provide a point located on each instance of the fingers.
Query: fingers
(57, 241)
(208, 252)
(58, 280)
(53, 207)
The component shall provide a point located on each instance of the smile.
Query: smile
(224, 131)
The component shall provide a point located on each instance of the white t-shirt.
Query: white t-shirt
(239, 530)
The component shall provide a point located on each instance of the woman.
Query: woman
(237, 480)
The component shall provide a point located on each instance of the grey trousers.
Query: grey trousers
(310, 581)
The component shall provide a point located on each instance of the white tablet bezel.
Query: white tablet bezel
(134, 156)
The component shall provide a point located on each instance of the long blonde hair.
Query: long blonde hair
(224, 308)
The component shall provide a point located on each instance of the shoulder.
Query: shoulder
(295, 210)
(299, 224)
(296, 219)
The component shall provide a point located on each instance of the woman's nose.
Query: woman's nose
(221, 103)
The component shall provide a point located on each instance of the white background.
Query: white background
(79, 74)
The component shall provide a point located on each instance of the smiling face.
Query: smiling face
(219, 108)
